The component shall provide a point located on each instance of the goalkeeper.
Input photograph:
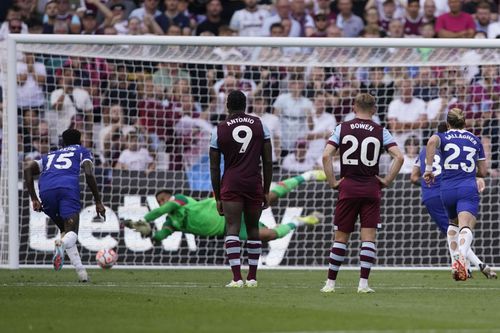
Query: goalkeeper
(202, 219)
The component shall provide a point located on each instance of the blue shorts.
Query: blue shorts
(60, 203)
(437, 212)
(461, 199)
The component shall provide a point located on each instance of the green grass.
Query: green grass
(286, 301)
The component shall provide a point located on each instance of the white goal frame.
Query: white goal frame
(13, 40)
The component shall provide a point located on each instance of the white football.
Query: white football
(106, 258)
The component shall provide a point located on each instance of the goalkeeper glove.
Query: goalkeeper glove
(143, 227)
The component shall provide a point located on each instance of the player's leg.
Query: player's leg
(370, 221)
(346, 212)
(450, 228)
(70, 212)
(284, 187)
(467, 209)
(458, 266)
(266, 234)
(233, 212)
(252, 214)
(438, 213)
(452, 238)
(51, 207)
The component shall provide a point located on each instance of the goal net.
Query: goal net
(146, 112)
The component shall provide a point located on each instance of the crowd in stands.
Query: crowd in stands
(143, 115)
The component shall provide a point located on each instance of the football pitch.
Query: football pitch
(40, 300)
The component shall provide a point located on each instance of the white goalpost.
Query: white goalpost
(146, 105)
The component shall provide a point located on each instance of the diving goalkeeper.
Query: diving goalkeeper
(201, 218)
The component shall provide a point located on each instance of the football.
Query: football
(106, 258)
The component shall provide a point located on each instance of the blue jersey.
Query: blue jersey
(434, 189)
(460, 150)
(61, 168)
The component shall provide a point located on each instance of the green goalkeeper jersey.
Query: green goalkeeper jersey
(188, 215)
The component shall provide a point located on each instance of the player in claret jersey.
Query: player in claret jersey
(59, 187)
(431, 198)
(245, 142)
(463, 160)
(360, 142)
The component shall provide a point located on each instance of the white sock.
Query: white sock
(295, 221)
(69, 240)
(464, 241)
(452, 238)
(74, 257)
(307, 175)
(330, 283)
(471, 256)
(363, 283)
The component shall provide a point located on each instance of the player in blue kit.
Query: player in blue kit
(59, 189)
(431, 198)
(463, 159)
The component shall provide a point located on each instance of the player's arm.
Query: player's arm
(30, 170)
(415, 172)
(267, 169)
(415, 175)
(88, 170)
(215, 172)
(397, 163)
(328, 153)
(482, 168)
(166, 208)
(215, 176)
(432, 145)
(166, 230)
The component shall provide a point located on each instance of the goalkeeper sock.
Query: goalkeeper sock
(286, 186)
(74, 257)
(452, 239)
(473, 259)
(284, 229)
(337, 255)
(69, 240)
(233, 249)
(366, 260)
(254, 249)
(464, 241)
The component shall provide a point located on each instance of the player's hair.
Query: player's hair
(456, 118)
(365, 102)
(236, 101)
(442, 127)
(71, 136)
(412, 1)
(163, 191)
